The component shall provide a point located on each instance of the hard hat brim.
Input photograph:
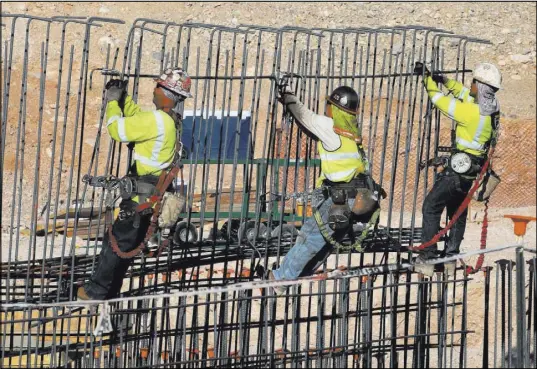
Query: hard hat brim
(488, 83)
(355, 112)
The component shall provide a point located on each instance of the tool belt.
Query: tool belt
(152, 205)
(143, 187)
(458, 162)
(362, 189)
(341, 191)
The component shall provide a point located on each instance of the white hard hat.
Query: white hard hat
(488, 73)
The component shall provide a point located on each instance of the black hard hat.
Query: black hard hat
(345, 98)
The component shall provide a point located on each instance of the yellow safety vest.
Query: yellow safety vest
(340, 165)
(473, 130)
(153, 132)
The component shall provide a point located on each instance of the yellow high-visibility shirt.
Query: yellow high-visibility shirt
(153, 132)
(473, 130)
(340, 165)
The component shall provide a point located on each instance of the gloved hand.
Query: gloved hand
(116, 90)
(439, 78)
(284, 87)
(420, 68)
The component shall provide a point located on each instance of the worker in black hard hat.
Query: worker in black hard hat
(343, 190)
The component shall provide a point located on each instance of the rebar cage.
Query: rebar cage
(244, 161)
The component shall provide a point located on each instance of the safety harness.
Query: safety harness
(367, 183)
(357, 244)
(129, 186)
(475, 187)
(152, 204)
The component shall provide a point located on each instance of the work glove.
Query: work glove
(439, 78)
(284, 87)
(116, 90)
(420, 68)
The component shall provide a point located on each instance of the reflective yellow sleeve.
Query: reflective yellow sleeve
(137, 128)
(131, 108)
(463, 112)
(458, 90)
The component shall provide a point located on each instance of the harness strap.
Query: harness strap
(461, 208)
(357, 245)
(156, 200)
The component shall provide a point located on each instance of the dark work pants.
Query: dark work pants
(107, 279)
(448, 193)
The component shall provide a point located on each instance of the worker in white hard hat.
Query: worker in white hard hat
(154, 134)
(476, 112)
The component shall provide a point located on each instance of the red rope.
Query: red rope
(481, 258)
(461, 208)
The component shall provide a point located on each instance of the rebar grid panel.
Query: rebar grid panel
(244, 156)
(360, 324)
(234, 80)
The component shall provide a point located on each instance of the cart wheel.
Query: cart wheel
(288, 232)
(249, 232)
(234, 224)
(185, 233)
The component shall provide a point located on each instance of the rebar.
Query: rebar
(245, 156)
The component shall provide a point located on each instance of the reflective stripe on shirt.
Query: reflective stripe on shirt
(339, 156)
(463, 91)
(159, 140)
(150, 162)
(437, 96)
(338, 176)
(451, 108)
(112, 119)
(121, 130)
(475, 145)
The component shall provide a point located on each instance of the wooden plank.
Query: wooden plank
(89, 212)
(60, 226)
(85, 233)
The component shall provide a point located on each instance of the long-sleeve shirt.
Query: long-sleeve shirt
(473, 130)
(341, 158)
(153, 132)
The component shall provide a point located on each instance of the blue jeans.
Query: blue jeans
(310, 250)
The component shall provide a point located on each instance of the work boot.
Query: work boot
(278, 290)
(449, 268)
(81, 294)
(421, 266)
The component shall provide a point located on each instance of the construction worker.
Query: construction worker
(476, 113)
(343, 183)
(154, 134)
